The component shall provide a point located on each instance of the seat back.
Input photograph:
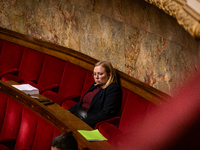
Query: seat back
(3, 104)
(11, 55)
(30, 130)
(134, 112)
(35, 132)
(87, 83)
(124, 97)
(89, 80)
(51, 72)
(12, 118)
(1, 45)
(72, 80)
(31, 65)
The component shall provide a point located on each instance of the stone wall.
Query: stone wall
(137, 37)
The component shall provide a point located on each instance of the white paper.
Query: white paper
(27, 88)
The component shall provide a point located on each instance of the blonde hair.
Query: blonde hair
(110, 70)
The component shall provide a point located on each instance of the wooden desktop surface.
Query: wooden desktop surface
(54, 113)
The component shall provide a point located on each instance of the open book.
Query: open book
(27, 88)
(93, 135)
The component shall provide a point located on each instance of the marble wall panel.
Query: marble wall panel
(157, 61)
(144, 16)
(101, 37)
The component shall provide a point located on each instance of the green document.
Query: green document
(93, 135)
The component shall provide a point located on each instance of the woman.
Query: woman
(103, 100)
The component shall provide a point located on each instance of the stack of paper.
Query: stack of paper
(93, 135)
(27, 88)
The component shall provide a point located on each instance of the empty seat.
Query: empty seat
(10, 58)
(30, 67)
(135, 110)
(50, 75)
(71, 84)
(22, 128)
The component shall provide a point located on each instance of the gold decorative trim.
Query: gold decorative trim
(178, 9)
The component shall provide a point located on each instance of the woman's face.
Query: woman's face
(100, 75)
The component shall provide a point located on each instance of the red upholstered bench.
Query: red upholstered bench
(50, 74)
(133, 111)
(22, 128)
(10, 58)
(29, 69)
(71, 84)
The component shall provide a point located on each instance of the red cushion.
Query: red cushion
(9, 77)
(110, 132)
(124, 97)
(68, 103)
(51, 72)
(27, 130)
(43, 135)
(87, 83)
(11, 55)
(3, 147)
(1, 45)
(12, 119)
(31, 65)
(51, 95)
(133, 113)
(175, 126)
(72, 80)
(89, 80)
(3, 104)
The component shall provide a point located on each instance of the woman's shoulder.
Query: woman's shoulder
(114, 86)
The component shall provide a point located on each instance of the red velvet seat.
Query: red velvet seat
(3, 103)
(10, 58)
(30, 67)
(134, 111)
(89, 80)
(35, 132)
(22, 128)
(175, 126)
(71, 84)
(12, 119)
(50, 75)
(1, 45)
(3, 147)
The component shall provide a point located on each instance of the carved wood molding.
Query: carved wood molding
(185, 15)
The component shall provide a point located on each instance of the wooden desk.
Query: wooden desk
(57, 115)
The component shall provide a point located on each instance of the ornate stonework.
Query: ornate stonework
(179, 10)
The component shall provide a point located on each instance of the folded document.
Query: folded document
(27, 88)
(93, 135)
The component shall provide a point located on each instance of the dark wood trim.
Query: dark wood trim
(84, 61)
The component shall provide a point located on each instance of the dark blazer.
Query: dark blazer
(104, 105)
